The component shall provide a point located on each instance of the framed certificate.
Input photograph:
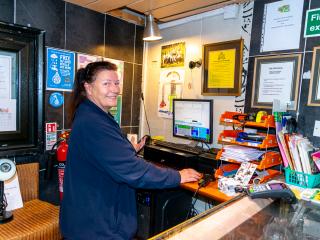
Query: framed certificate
(314, 88)
(276, 77)
(222, 68)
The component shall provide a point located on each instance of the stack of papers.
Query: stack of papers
(241, 154)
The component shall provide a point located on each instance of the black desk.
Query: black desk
(204, 163)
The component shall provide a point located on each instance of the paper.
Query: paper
(221, 68)
(245, 173)
(318, 89)
(133, 138)
(275, 81)
(13, 194)
(8, 113)
(282, 25)
(5, 77)
(241, 154)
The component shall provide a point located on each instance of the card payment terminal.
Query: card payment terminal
(271, 190)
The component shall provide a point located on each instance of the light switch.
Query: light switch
(316, 130)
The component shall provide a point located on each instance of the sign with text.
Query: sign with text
(51, 135)
(60, 69)
(312, 25)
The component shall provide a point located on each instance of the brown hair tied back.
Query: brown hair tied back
(83, 75)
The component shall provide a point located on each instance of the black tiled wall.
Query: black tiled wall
(74, 28)
(307, 114)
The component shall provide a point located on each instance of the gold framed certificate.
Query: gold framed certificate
(222, 68)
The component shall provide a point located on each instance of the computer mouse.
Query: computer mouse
(205, 180)
(148, 139)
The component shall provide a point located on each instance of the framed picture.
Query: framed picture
(314, 88)
(173, 55)
(276, 77)
(222, 68)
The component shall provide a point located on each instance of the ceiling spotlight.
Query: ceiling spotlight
(151, 31)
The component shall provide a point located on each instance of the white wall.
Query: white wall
(195, 34)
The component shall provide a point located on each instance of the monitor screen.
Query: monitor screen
(192, 119)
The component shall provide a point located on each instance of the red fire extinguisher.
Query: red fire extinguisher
(62, 150)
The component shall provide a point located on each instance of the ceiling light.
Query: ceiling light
(151, 30)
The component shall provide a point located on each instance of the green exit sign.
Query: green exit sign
(312, 27)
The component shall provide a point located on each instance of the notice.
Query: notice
(221, 68)
(318, 88)
(276, 81)
(60, 69)
(51, 135)
(5, 77)
(13, 194)
(8, 113)
(282, 25)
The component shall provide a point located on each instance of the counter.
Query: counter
(244, 218)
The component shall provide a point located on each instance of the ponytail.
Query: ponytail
(79, 92)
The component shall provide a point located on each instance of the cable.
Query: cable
(145, 113)
(193, 202)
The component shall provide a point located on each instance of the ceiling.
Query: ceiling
(162, 10)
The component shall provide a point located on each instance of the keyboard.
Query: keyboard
(179, 147)
(209, 155)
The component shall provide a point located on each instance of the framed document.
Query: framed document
(222, 68)
(21, 90)
(276, 77)
(314, 88)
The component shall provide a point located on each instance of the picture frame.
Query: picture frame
(222, 69)
(314, 87)
(173, 55)
(273, 76)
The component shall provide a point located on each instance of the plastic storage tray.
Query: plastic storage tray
(302, 179)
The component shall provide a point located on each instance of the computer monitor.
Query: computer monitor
(192, 119)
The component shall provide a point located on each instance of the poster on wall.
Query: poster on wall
(60, 69)
(173, 55)
(170, 87)
(84, 59)
(281, 25)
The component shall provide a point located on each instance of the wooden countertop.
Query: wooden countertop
(210, 191)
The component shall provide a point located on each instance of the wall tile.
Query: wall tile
(47, 15)
(137, 81)
(126, 130)
(53, 114)
(313, 41)
(119, 39)
(67, 117)
(127, 94)
(257, 29)
(139, 45)
(6, 10)
(85, 30)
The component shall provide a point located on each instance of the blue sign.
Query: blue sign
(56, 99)
(60, 69)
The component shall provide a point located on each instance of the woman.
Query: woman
(102, 166)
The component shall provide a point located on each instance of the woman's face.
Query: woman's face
(104, 90)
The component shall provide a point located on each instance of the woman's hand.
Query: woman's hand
(138, 146)
(189, 175)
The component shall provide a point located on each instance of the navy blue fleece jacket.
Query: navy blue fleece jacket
(100, 177)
